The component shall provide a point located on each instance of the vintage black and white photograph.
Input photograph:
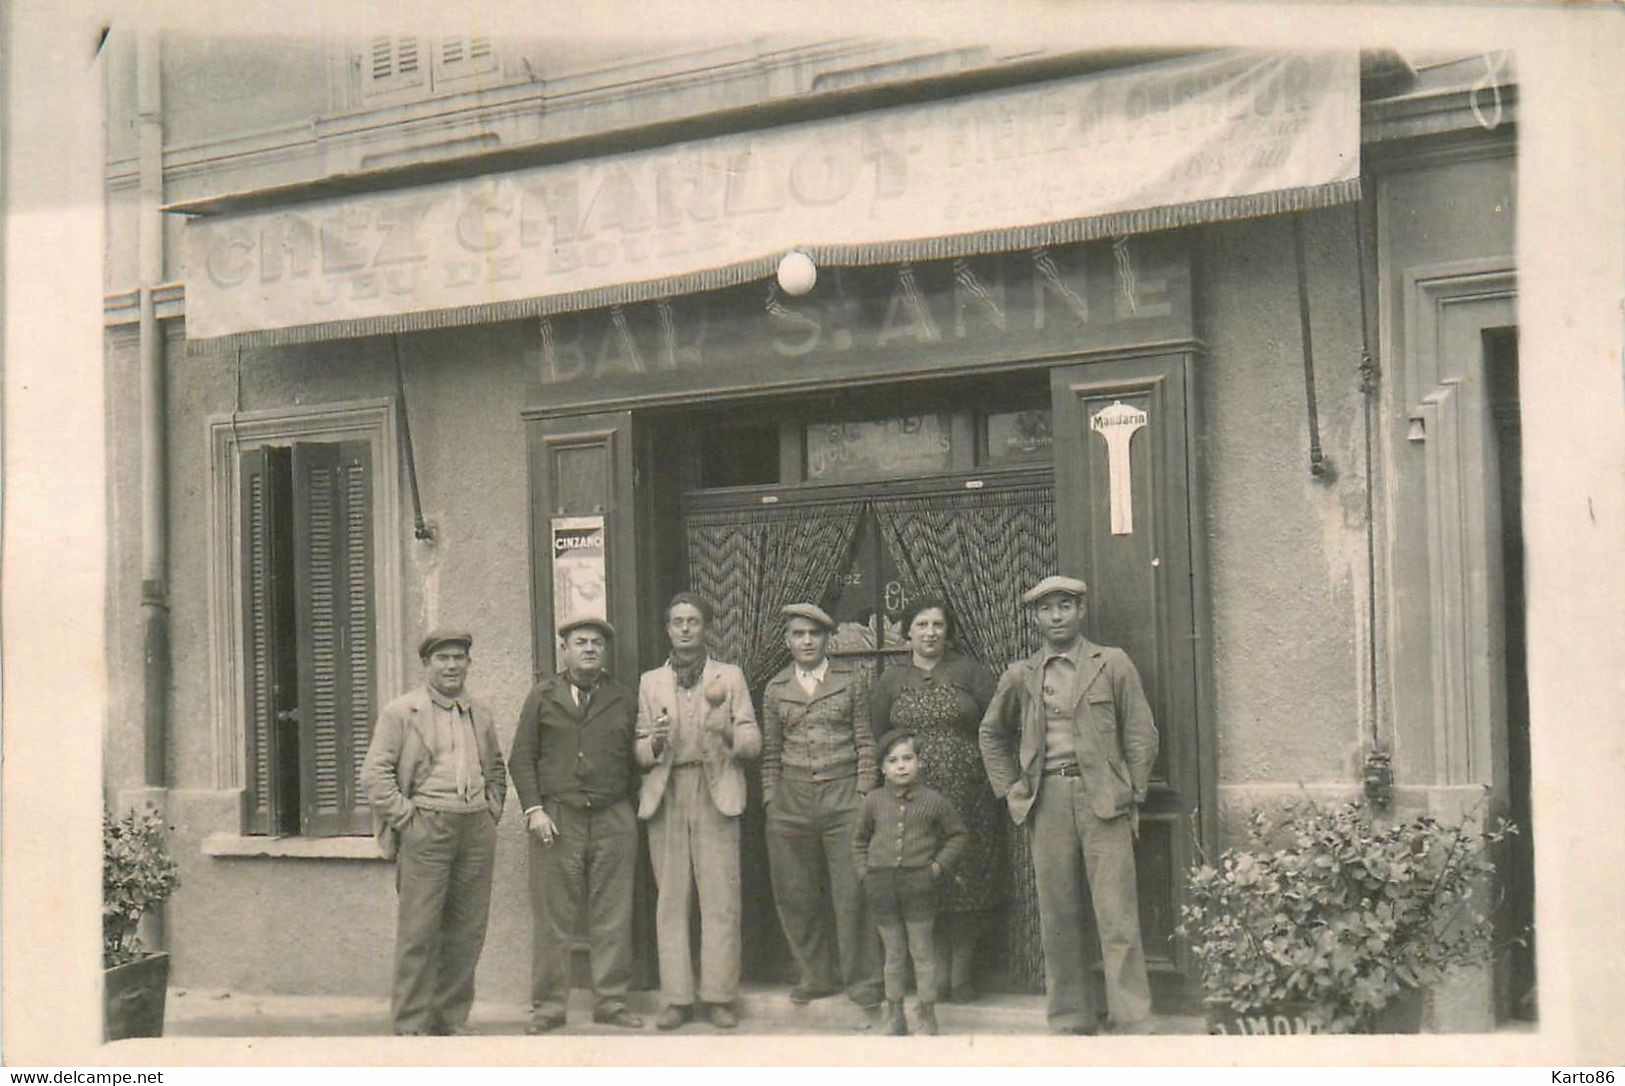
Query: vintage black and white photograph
(832, 531)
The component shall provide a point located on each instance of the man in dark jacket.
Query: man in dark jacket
(435, 779)
(1068, 741)
(573, 769)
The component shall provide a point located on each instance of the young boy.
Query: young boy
(907, 837)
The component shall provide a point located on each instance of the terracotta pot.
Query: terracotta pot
(1275, 1020)
(133, 998)
(1402, 1015)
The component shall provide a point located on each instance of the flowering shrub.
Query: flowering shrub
(137, 874)
(1337, 910)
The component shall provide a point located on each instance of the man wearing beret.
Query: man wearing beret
(573, 770)
(1069, 742)
(818, 763)
(435, 779)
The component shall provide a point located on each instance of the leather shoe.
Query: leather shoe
(805, 993)
(1075, 1030)
(443, 1029)
(722, 1016)
(544, 1024)
(673, 1016)
(871, 1018)
(620, 1016)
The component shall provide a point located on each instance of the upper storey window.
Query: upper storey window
(403, 67)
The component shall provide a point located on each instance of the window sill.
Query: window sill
(292, 848)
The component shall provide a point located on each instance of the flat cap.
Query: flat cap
(1070, 586)
(575, 622)
(809, 611)
(444, 635)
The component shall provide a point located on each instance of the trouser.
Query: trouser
(591, 860)
(816, 887)
(443, 891)
(1070, 846)
(691, 843)
(903, 900)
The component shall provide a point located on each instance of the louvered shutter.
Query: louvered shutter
(392, 63)
(259, 640)
(463, 57)
(332, 488)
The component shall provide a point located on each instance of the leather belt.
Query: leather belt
(1071, 770)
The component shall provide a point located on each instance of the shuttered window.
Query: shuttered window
(402, 67)
(462, 58)
(393, 63)
(308, 622)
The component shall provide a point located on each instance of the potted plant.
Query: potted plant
(1333, 919)
(137, 875)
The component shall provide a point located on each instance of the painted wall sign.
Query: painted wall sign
(1118, 424)
(579, 584)
(865, 322)
(1189, 140)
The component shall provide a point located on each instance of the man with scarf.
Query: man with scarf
(695, 726)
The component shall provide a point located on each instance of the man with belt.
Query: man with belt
(695, 729)
(572, 768)
(434, 776)
(818, 763)
(1069, 742)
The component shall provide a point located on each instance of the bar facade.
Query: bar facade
(1126, 403)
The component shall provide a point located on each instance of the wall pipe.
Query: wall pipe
(420, 528)
(1319, 465)
(154, 490)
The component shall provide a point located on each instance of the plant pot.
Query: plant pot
(133, 998)
(1278, 1019)
(1403, 1014)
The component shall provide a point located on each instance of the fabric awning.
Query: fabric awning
(1187, 141)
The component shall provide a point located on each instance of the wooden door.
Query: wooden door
(581, 473)
(1125, 504)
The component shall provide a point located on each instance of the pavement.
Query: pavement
(762, 1010)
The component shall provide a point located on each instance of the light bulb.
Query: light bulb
(797, 273)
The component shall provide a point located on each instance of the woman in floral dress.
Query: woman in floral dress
(939, 696)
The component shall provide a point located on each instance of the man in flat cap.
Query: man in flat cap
(1068, 741)
(818, 763)
(435, 778)
(696, 729)
(573, 770)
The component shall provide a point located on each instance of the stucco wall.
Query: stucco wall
(1286, 551)
(122, 733)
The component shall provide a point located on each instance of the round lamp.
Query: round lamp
(797, 273)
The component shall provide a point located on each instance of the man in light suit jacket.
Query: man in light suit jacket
(1069, 742)
(695, 728)
(818, 762)
(435, 778)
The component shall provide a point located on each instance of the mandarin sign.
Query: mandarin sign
(1183, 141)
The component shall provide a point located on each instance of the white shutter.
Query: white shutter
(463, 57)
(392, 63)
